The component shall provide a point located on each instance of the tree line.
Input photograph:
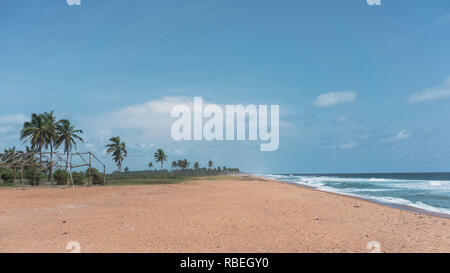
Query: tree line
(45, 133)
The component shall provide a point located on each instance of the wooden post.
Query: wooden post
(34, 175)
(14, 179)
(104, 175)
(21, 171)
(52, 181)
(70, 172)
(90, 166)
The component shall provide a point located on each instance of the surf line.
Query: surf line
(260, 124)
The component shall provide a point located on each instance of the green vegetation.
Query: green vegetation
(97, 178)
(61, 177)
(147, 180)
(33, 175)
(78, 178)
(8, 175)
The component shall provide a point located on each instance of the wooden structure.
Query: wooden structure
(49, 161)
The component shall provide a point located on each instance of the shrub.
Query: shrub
(78, 178)
(60, 177)
(33, 175)
(96, 176)
(7, 175)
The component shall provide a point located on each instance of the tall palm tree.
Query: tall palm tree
(51, 136)
(160, 156)
(35, 131)
(174, 164)
(210, 164)
(196, 165)
(118, 151)
(67, 136)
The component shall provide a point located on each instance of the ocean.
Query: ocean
(425, 191)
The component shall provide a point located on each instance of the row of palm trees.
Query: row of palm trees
(184, 164)
(45, 132)
(117, 149)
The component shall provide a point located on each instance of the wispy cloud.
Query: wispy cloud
(342, 119)
(16, 119)
(335, 98)
(432, 93)
(348, 146)
(444, 18)
(402, 135)
(150, 119)
(10, 126)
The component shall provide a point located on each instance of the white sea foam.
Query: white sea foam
(371, 192)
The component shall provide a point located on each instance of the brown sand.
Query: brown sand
(215, 215)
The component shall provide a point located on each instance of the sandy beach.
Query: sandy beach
(220, 214)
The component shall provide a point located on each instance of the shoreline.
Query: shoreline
(390, 205)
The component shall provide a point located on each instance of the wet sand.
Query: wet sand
(228, 214)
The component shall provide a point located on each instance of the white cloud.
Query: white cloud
(17, 119)
(6, 129)
(402, 135)
(89, 145)
(348, 146)
(179, 152)
(335, 98)
(10, 127)
(365, 136)
(147, 120)
(103, 135)
(432, 93)
(342, 119)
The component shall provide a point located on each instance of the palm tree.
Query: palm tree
(150, 166)
(51, 136)
(186, 163)
(174, 164)
(35, 131)
(196, 165)
(118, 150)
(67, 136)
(8, 154)
(210, 164)
(160, 156)
(10, 150)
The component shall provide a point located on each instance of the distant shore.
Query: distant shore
(211, 214)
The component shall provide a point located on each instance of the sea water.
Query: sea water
(426, 191)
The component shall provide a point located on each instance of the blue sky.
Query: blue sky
(114, 67)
